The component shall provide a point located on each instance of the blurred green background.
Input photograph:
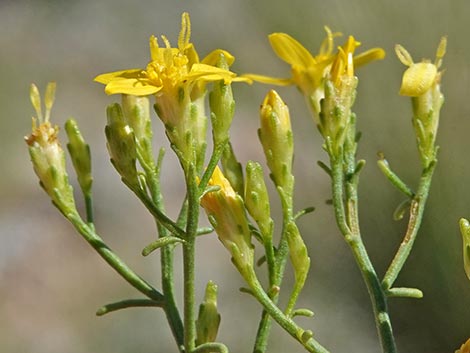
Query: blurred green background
(51, 282)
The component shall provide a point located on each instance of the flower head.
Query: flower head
(46, 153)
(308, 71)
(169, 68)
(422, 82)
(226, 212)
(419, 77)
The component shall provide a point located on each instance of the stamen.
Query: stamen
(49, 99)
(185, 33)
(36, 101)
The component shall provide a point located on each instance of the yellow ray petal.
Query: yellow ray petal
(110, 76)
(213, 57)
(290, 50)
(269, 80)
(368, 56)
(136, 87)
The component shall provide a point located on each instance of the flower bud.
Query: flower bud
(80, 153)
(226, 212)
(222, 106)
(121, 145)
(208, 321)
(257, 199)
(465, 230)
(276, 137)
(136, 114)
(298, 254)
(232, 169)
(47, 155)
(421, 82)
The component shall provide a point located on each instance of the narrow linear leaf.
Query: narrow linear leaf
(157, 244)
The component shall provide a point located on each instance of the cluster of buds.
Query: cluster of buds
(47, 155)
(421, 81)
(208, 319)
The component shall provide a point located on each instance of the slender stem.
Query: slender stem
(166, 257)
(189, 260)
(215, 157)
(276, 274)
(298, 333)
(89, 207)
(159, 215)
(113, 260)
(416, 214)
(348, 222)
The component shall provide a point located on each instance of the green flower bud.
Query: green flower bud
(121, 145)
(232, 169)
(208, 321)
(465, 230)
(80, 153)
(298, 255)
(276, 137)
(175, 111)
(222, 106)
(47, 155)
(199, 129)
(137, 115)
(257, 199)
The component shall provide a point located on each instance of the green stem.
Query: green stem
(89, 207)
(189, 259)
(166, 256)
(298, 333)
(113, 260)
(215, 157)
(276, 269)
(416, 215)
(348, 222)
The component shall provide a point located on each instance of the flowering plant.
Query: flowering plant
(238, 204)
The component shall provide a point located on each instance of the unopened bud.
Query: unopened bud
(137, 115)
(257, 199)
(222, 106)
(121, 145)
(226, 212)
(465, 230)
(298, 254)
(79, 152)
(208, 321)
(276, 137)
(232, 169)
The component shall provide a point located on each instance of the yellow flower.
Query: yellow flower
(308, 71)
(465, 348)
(420, 77)
(169, 68)
(226, 212)
(422, 82)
